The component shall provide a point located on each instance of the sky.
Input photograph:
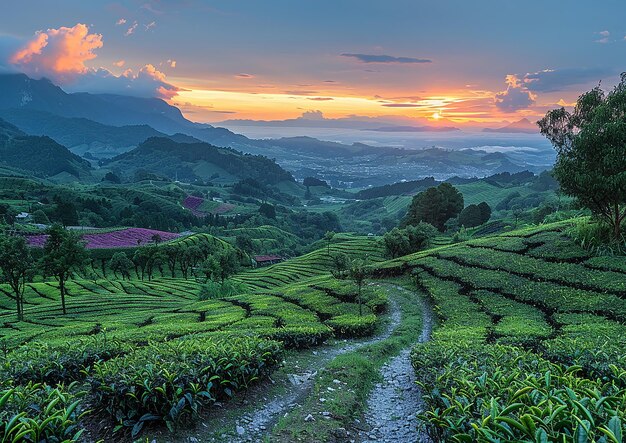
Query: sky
(480, 62)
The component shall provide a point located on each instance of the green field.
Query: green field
(530, 345)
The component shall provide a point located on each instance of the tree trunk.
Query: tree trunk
(617, 223)
(62, 289)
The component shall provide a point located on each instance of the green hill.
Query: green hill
(192, 161)
(40, 156)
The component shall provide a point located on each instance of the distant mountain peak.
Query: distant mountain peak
(522, 126)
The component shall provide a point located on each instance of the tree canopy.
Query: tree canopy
(436, 205)
(591, 151)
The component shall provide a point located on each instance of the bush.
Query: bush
(350, 325)
(39, 413)
(212, 289)
(598, 238)
(170, 382)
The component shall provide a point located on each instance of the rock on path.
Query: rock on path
(394, 403)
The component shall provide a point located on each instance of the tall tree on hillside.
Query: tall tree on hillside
(436, 205)
(120, 263)
(64, 254)
(329, 238)
(470, 216)
(452, 200)
(228, 264)
(485, 212)
(358, 274)
(591, 152)
(16, 268)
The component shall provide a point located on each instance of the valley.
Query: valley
(286, 235)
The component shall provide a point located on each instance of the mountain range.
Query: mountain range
(101, 127)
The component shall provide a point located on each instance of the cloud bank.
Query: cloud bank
(62, 55)
(516, 96)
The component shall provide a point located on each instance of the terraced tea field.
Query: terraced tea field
(531, 342)
(313, 264)
(529, 346)
(115, 330)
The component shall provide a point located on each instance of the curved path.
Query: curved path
(393, 404)
(257, 425)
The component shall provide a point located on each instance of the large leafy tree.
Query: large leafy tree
(591, 152)
(120, 263)
(436, 205)
(16, 268)
(63, 254)
(228, 264)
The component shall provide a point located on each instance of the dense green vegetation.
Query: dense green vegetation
(104, 343)
(518, 355)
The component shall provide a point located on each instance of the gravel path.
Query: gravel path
(394, 403)
(254, 426)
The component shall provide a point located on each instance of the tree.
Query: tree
(64, 254)
(172, 254)
(267, 210)
(244, 242)
(358, 274)
(140, 260)
(517, 213)
(396, 242)
(329, 238)
(341, 262)
(156, 239)
(470, 216)
(16, 268)
(189, 258)
(209, 268)
(411, 239)
(591, 152)
(452, 201)
(436, 205)
(485, 212)
(228, 264)
(122, 264)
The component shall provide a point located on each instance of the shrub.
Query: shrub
(349, 325)
(171, 382)
(598, 238)
(212, 289)
(39, 413)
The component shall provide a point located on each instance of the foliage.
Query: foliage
(435, 206)
(16, 268)
(591, 154)
(210, 289)
(172, 382)
(411, 239)
(40, 413)
(63, 255)
(598, 238)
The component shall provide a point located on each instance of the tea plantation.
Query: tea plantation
(531, 340)
(131, 354)
(529, 346)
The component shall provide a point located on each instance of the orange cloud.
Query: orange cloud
(58, 53)
(119, 63)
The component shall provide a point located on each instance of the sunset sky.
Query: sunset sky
(436, 62)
